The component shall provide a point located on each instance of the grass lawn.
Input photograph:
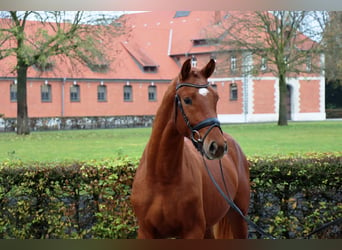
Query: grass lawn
(255, 139)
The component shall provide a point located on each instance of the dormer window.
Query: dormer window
(200, 42)
(42, 67)
(98, 67)
(204, 42)
(142, 59)
(182, 14)
(150, 69)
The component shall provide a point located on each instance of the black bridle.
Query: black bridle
(195, 136)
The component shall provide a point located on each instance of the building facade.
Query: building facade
(145, 62)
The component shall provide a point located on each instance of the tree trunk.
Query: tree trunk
(22, 114)
(282, 119)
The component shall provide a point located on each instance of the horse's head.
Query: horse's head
(195, 111)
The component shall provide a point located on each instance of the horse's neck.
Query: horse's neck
(165, 148)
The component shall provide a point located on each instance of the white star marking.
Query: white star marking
(203, 91)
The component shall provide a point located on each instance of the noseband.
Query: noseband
(194, 130)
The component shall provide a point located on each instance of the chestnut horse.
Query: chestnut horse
(172, 194)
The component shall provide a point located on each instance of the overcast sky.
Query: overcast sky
(108, 16)
(69, 15)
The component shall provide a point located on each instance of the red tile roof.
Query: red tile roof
(152, 40)
(138, 54)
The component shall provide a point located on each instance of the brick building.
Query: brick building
(146, 60)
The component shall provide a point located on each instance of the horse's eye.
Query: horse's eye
(187, 100)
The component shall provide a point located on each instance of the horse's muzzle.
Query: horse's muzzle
(215, 150)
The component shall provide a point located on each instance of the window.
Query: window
(308, 64)
(233, 64)
(128, 93)
(45, 91)
(233, 92)
(182, 14)
(263, 65)
(75, 93)
(102, 93)
(150, 69)
(152, 93)
(193, 62)
(13, 92)
(200, 42)
(47, 66)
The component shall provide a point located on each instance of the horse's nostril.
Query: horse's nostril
(213, 148)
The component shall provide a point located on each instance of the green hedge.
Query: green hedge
(69, 200)
(290, 198)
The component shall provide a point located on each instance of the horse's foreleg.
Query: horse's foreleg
(197, 231)
(239, 227)
(194, 234)
(146, 233)
(209, 234)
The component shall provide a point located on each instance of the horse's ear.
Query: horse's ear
(208, 69)
(185, 69)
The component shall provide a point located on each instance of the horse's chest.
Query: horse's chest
(168, 210)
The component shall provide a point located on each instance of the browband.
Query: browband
(185, 84)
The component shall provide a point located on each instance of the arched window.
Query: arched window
(128, 93)
(102, 93)
(152, 93)
(233, 96)
(45, 92)
(75, 93)
(13, 92)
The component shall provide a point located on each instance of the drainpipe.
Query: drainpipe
(62, 96)
(245, 98)
(170, 43)
(247, 64)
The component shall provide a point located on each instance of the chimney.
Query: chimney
(217, 17)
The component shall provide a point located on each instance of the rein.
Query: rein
(226, 197)
(194, 130)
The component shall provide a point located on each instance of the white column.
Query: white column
(276, 96)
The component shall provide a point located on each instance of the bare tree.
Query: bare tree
(332, 42)
(36, 42)
(282, 39)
